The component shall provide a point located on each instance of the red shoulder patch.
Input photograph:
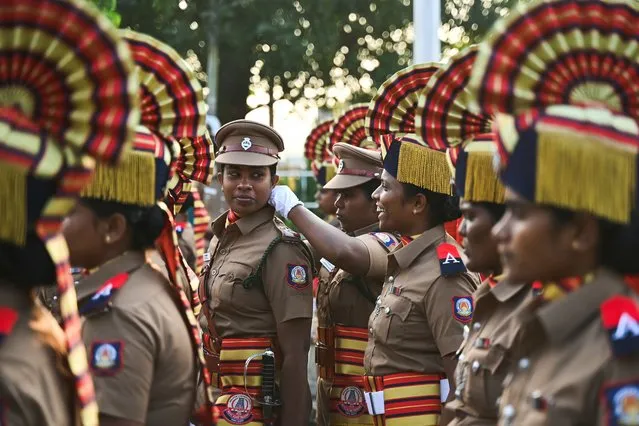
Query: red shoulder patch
(620, 317)
(100, 299)
(8, 319)
(450, 261)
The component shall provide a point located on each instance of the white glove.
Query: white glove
(283, 199)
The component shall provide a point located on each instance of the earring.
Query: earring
(107, 239)
(414, 212)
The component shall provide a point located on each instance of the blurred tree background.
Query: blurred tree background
(316, 53)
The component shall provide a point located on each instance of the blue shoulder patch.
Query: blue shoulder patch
(106, 357)
(622, 402)
(387, 240)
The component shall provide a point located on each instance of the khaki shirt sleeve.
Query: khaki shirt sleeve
(288, 278)
(377, 256)
(438, 305)
(123, 392)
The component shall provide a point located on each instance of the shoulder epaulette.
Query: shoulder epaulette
(450, 261)
(100, 300)
(8, 319)
(286, 235)
(286, 232)
(389, 241)
(620, 318)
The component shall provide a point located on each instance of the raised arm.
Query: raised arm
(345, 252)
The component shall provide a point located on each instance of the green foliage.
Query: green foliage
(320, 53)
(108, 7)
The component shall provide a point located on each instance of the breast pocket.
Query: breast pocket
(392, 313)
(482, 378)
(229, 284)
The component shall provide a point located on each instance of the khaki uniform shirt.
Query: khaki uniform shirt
(33, 391)
(566, 371)
(140, 352)
(484, 358)
(340, 301)
(283, 291)
(413, 325)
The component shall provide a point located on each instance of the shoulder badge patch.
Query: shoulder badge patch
(100, 299)
(8, 319)
(450, 261)
(387, 241)
(297, 276)
(622, 404)
(180, 227)
(106, 357)
(620, 317)
(463, 309)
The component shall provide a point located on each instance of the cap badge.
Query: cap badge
(340, 167)
(246, 143)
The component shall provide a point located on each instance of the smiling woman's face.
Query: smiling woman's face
(246, 188)
(394, 212)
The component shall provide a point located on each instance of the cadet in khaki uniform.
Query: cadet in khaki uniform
(140, 348)
(420, 292)
(483, 357)
(48, 148)
(142, 336)
(570, 227)
(417, 324)
(257, 287)
(345, 301)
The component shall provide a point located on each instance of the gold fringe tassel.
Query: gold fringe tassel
(424, 167)
(482, 183)
(130, 182)
(606, 176)
(13, 204)
(330, 172)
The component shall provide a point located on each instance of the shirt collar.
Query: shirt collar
(562, 318)
(244, 224)
(506, 290)
(126, 262)
(407, 254)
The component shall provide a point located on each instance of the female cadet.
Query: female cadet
(344, 301)
(483, 363)
(256, 291)
(570, 174)
(413, 330)
(44, 378)
(138, 325)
